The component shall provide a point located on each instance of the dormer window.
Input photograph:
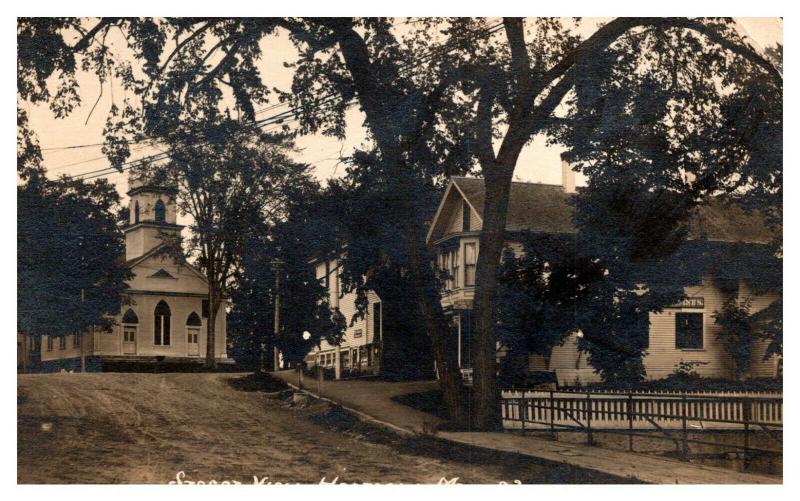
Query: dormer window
(466, 216)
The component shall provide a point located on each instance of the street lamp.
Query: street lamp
(276, 265)
(301, 365)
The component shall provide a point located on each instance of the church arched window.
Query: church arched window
(194, 320)
(130, 317)
(161, 211)
(136, 212)
(162, 330)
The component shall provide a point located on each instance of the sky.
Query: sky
(537, 163)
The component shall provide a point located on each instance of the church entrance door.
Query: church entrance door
(129, 340)
(194, 346)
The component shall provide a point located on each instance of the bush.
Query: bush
(678, 384)
(737, 333)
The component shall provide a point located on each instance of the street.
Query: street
(146, 428)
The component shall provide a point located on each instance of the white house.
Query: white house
(684, 332)
(164, 312)
(360, 348)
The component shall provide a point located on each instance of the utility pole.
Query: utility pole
(276, 265)
(81, 339)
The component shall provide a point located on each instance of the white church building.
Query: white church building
(163, 315)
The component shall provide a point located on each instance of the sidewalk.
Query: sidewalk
(373, 401)
(649, 469)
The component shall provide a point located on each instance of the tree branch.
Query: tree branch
(88, 38)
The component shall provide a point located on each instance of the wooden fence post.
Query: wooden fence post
(522, 405)
(552, 416)
(685, 451)
(746, 410)
(630, 422)
(589, 418)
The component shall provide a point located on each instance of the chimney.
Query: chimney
(567, 177)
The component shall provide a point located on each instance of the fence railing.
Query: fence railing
(635, 412)
(666, 392)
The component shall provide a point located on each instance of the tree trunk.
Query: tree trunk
(374, 101)
(213, 306)
(484, 358)
(444, 352)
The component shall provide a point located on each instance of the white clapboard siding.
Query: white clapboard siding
(662, 355)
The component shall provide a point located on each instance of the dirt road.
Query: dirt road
(145, 428)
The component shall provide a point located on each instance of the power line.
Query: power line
(291, 114)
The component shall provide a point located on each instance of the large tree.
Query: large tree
(229, 181)
(184, 61)
(70, 275)
(302, 236)
(407, 110)
(671, 120)
(542, 76)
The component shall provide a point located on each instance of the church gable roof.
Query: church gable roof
(159, 251)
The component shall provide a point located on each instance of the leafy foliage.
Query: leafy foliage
(70, 275)
(737, 333)
(304, 302)
(228, 182)
(661, 122)
(374, 257)
(540, 291)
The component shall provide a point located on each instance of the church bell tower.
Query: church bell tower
(153, 213)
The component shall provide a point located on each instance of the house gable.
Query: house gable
(449, 215)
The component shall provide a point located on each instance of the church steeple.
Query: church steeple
(153, 212)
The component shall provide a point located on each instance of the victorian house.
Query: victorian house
(685, 332)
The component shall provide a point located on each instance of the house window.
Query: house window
(470, 262)
(450, 265)
(689, 331)
(455, 260)
(358, 333)
(445, 267)
(76, 340)
(376, 321)
(345, 359)
(62, 342)
(49, 343)
(161, 331)
(136, 212)
(129, 334)
(466, 214)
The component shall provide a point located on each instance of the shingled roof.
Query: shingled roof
(531, 207)
(545, 208)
